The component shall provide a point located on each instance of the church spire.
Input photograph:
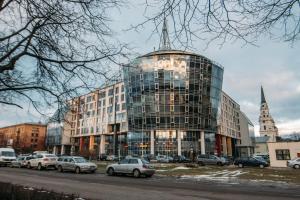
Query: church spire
(164, 43)
(263, 99)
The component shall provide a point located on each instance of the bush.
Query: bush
(9, 191)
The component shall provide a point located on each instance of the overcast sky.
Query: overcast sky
(273, 64)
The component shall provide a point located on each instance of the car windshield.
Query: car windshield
(8, 153)
(145, 162)
(50, 156)
(79, 160)
(259, 158)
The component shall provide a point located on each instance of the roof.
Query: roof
(263, 99)
(171, 51)
(262, 139)
(25, 123)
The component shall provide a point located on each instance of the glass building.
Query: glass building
(172, 103)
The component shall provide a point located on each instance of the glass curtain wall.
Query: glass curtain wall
(169, 91)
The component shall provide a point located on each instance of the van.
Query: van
(7, 155)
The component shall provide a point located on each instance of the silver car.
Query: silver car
(205, 159)
(134, 166)
(21, 161)
(295, 163)
(76, 164)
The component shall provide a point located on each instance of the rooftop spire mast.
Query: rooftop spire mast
(164, 43)
(263, 99)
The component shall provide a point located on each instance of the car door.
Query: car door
(122, 166)
(132, 164)
(71, 164)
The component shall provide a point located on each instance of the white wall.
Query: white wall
(294, 148)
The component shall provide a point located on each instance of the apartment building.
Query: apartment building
(96, 117)
(229, 133)
(24, 138)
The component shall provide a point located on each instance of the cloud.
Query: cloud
(289, 126)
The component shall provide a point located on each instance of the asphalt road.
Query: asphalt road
(100, 186)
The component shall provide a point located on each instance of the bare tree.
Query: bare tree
(221, 20)
(52, 49)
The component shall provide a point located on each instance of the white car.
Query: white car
(134, 166)
(7, 155)
(41, 161)
(294, 163)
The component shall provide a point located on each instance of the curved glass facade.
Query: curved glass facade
(171, 97)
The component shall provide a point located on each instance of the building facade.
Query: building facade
(229, 133)
(58, 137)
(172, 103)
(280, 152)
(247, 140)
(266, 122)
(24, 138)
(96, 119)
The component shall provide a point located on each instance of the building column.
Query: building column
(179, 142)
(102, 144)
(202, 142)
(224, 144)
(91, 143)
(54, 150)
(152, 143)
(81, 144)
(229, 146)
(62, 150)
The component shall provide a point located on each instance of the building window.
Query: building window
(157, 119)
(117, 90)
(156, 86)
(265, 128)
(186, 120)
(155, 74)
(283, 154)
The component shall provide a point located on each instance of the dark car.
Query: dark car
(250, 161)
(181, 159)
(102, 157)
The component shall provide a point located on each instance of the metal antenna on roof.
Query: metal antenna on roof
(164, 43)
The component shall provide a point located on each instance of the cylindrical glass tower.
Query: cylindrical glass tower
(172, 96)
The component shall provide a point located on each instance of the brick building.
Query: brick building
(24, 138)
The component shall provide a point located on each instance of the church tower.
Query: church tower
(266, 122)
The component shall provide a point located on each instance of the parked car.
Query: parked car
(76, 164)
(21, 161)
(205, 159)
(41, 161)
(294, 163)
(181, 159)
(134, 166)
(112, 158)
(266, 157)
(7, 155)
(164, 159)
(102, 157)
(251, 161)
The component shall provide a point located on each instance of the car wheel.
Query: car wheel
(93, 171)
(261, 166)
(39, 167)
(296, 166)
(77, 170)
(201, 163)
(110, 171)
(60, 169)
(28, 166)
(136, 173)
(241, 165)
(219, 164)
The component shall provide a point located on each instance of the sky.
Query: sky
(273, 64)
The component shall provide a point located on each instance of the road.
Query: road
(100, 186)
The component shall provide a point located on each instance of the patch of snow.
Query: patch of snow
(161, 170)
(180, 168)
